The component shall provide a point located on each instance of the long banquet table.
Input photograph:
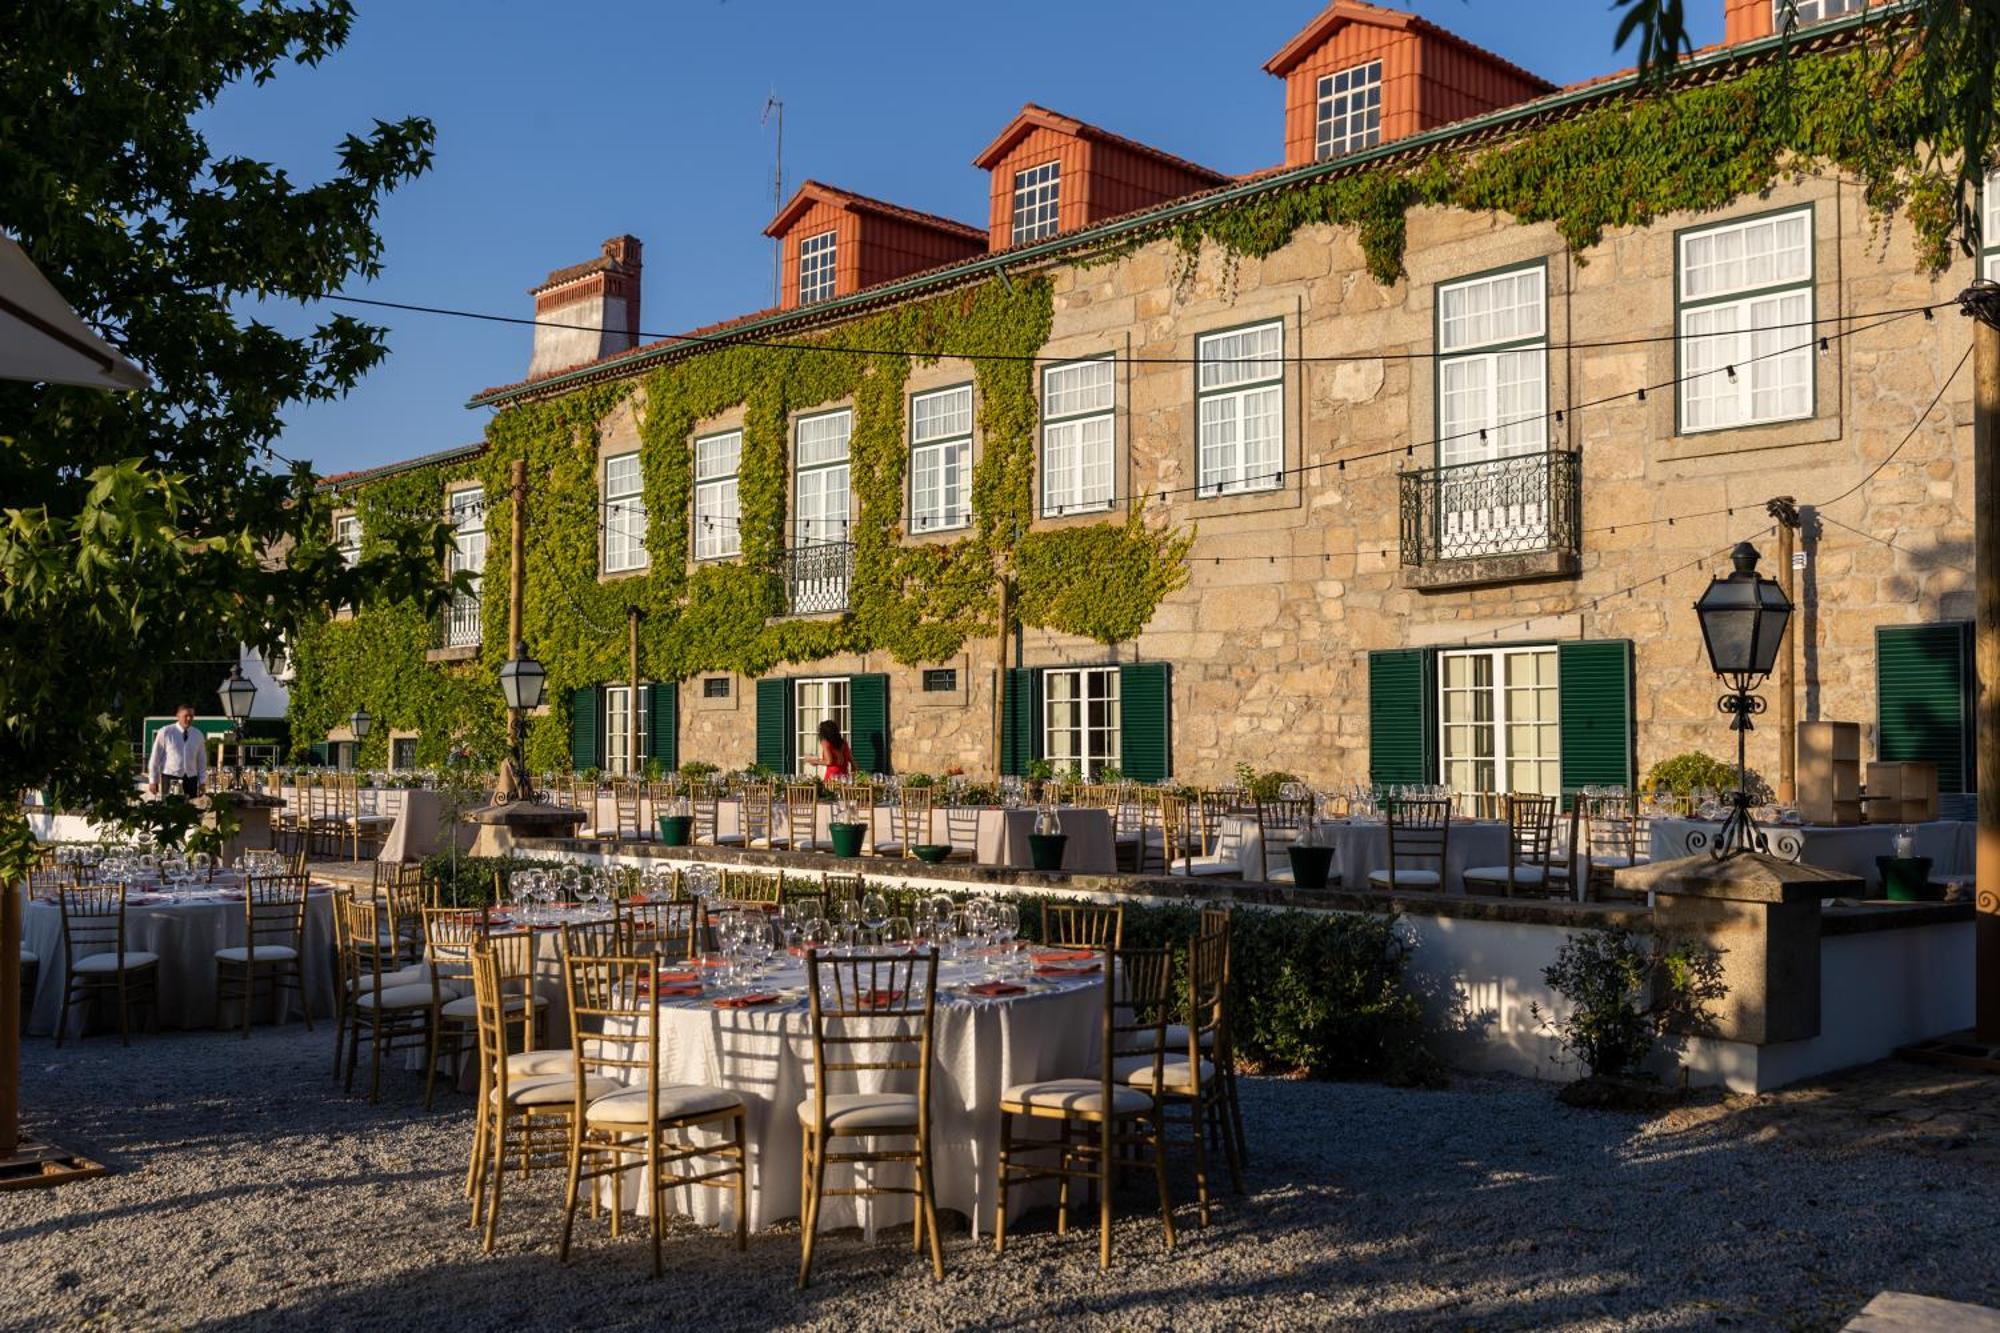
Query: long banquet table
(981, 1046)
(185, 931)
(1850, 848)
(1362, 845)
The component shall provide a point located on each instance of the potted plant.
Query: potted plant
(1048, 842)
(1312, 860)
(677, 823)
(845, 829)
(1035, 774)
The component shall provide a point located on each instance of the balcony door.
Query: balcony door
(1492, 478)
(820, 514)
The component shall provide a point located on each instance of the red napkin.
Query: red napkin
(1067, 971)
(997, 988)
(1065, 955)
(747, 1001)
(879, 998)
(679, 978)
(671, 990)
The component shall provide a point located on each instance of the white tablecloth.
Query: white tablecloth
(998, 837)
(1362, 845)
(981, 1046)
(185, 935)
(1851, 849)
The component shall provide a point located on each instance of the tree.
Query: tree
(135, 525)
(1954, 46)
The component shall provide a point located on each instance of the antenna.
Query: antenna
(773, 106)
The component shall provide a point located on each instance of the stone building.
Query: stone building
(1444, 527)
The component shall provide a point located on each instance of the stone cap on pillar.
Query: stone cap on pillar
(1752, 877)
(525, 814)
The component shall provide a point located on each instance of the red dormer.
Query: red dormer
(1053, 174)
(836, 242)
(1360, 75)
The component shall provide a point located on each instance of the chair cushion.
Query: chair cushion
(1137, 1070)
(1206, 865)
(859, 1112)
(1614, 862)
(28, 958)
(467, 1006)
(1177, 1038)
(676, 1102)
(554, 1089)
(1406, 878)
(553, 1060)
(889, 847)
(721, 840)
(1078, 1096)
(1498, 874)
(416, 974)
(108, 962)
(266, 953)
(396, 997)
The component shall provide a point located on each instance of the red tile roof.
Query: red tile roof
(1031, 117)
(818, 191)
(1314, 35)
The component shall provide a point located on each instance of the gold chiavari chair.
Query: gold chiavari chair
(273, 950)
(961, 830)
(526, 1098)
(400, 888)
(758, 806)
(752, 886)
(838, 889)
(705, 802)
(1106, 1121)
(349, 982)
(670, 931)
(451, 935)
(1080, 925)
(365, 827)
(1190, 1079)
(625, 801)
(645, 1122)
(1279, 824)
(96, 960)
(392, 1011)
(1176, 820)
(1608, 834)
(1217, 827)
(871, 1017)
(1418, 830)
(1530, 838)
(802, 819)
(909, 824)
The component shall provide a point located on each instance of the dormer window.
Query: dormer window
(816, 257)
(1037, 198)
(1811, 11)
(1350, 111)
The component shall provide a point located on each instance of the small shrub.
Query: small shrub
(1685, 772)
(1262, 786)
(1625, 993)
(919, 780)
(697, 770)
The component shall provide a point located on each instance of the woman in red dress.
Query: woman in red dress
(836, 757)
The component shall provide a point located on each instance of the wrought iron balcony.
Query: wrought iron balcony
(817, 576)
(1517, 506)
(458, 627)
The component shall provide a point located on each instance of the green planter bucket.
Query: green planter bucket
(676, 830)
(1905, 879)
(1310, 866)
(846, 838)
(1045, 850)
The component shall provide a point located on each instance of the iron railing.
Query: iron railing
(458, 627)
(817, 577)
(1502, 506)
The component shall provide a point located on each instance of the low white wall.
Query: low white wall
(1481, 981)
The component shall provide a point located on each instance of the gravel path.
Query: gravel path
(249, 1193)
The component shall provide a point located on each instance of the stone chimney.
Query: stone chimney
(601, 296)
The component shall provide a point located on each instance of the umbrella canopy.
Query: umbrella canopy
(43, 340)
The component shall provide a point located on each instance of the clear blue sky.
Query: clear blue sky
(561, 124)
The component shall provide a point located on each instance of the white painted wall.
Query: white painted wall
(274, 698)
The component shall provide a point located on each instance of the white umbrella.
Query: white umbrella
(43, 340)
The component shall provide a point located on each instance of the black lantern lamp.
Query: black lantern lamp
(523, 682)
(1743, 619)
(238, 695)
(360, 721)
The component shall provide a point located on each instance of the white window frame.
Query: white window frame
(347, 539)
(941, 460)
(624, 546)
(467, 506)
(1768, 344)
(1492, 404)
(823, 473)
(617, 761)
(718, 513)
(1989, 228)
(819, 256)
(1228, 391)
(1037, 201)
(1085, 748)
(1079, 437)
(1500, 725)
(1813, 11)
(814, 700)
(1352, 97)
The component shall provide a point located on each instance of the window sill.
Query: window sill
(466, 652)
(1747, 439)
(620, 575)
(936, 536)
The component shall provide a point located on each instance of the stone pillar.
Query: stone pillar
(1763, 915)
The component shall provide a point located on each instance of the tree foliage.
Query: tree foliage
(133, 525)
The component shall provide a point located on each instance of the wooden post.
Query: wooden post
(1787, 514)
(632, 696)
(10, 1011)
(1986, 577)
(514, 785)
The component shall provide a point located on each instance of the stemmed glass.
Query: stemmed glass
(874, 915)
(1006, 929)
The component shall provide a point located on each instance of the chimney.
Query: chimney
(600, 296)
(1746, 21)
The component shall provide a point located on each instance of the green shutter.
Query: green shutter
(868, 720)
(1145, 722)
(663, 724)
(1924, 699)
(1402, 716)
(1594, 682)
(586, 728)
(1020, 730)
(774, 724)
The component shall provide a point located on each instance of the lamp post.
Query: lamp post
(523, 682)
(1743, 617)
(238, 696)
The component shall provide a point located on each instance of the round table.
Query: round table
(980, 1046)
(185, 930)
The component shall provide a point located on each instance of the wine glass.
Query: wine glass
(874, 914)
(902, 935)
(850, 921)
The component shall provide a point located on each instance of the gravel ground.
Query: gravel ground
(249, 1193)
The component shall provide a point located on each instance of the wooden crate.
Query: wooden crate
(1829, 772)
(1903, 792)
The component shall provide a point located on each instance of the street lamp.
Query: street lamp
(359, 721)
(239, 696)
(1743, 619)
(523, 682)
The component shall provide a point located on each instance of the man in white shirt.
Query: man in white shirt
(180, 755)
